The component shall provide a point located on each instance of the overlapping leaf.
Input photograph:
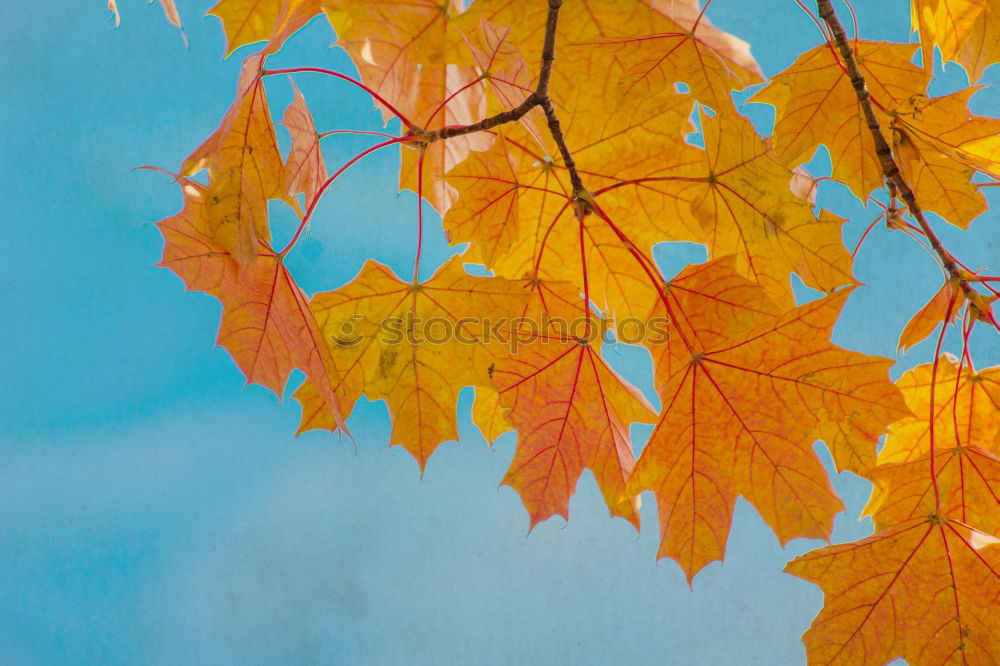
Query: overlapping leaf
(919, 590)
(939, 145)
(962, 29)
(709, 61)
(571, 410)
(968, 489)
(305, 169)
(249, 21)
(267, 325)
(245, 168)
(411, 54)
(965, 404)
(816, 104)
(416, 345)
(744, 388)
(508, 75)
(740, 194)
(517, 210)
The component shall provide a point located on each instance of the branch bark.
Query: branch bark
(889, 167)
(538, 97)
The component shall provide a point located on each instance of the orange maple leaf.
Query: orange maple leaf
(267, 325)
(305, 170)
(965, 405)
(745, 389)
(968, 489)
(943, 307)
(245, 168)
(572, 411)
(920, 590)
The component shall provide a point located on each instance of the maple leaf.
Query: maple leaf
(965, 405)
(267, 326)
(571, 410)
(414, 58)
(941, 459)
(947, 23)
(488, 207)
(710, 61)
(816, 104)
(981, 49)
(744, 390)
(918, 590)
(305, 170)
(245, 168)
(517, 211)
(943, 307)
(961, 29)
(506, 72)
(489, 415)
(741, 195)
(697, 50)
(968, 488)
(249, 21)
(939, 146)
(415, 345)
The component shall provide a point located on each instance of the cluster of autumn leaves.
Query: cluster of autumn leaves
(747, 381)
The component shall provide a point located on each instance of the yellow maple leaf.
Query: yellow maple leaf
(415, 345)
(816, 104)
(965, 405)
(249, 21)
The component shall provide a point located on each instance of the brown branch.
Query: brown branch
(889, 167)
(556, 131)
(548, 48)
(502, 118)
(539, 97)
(536, 98)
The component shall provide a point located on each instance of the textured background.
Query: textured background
(153, 511)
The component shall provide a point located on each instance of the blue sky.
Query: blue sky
(156, 511)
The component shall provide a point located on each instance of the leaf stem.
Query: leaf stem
(329, 181)
(329, 72)
(420, 216)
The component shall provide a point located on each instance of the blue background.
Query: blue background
(155, 511)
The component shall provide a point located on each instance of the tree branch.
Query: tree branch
(536, 98)
(556, 131)
(889, 167)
